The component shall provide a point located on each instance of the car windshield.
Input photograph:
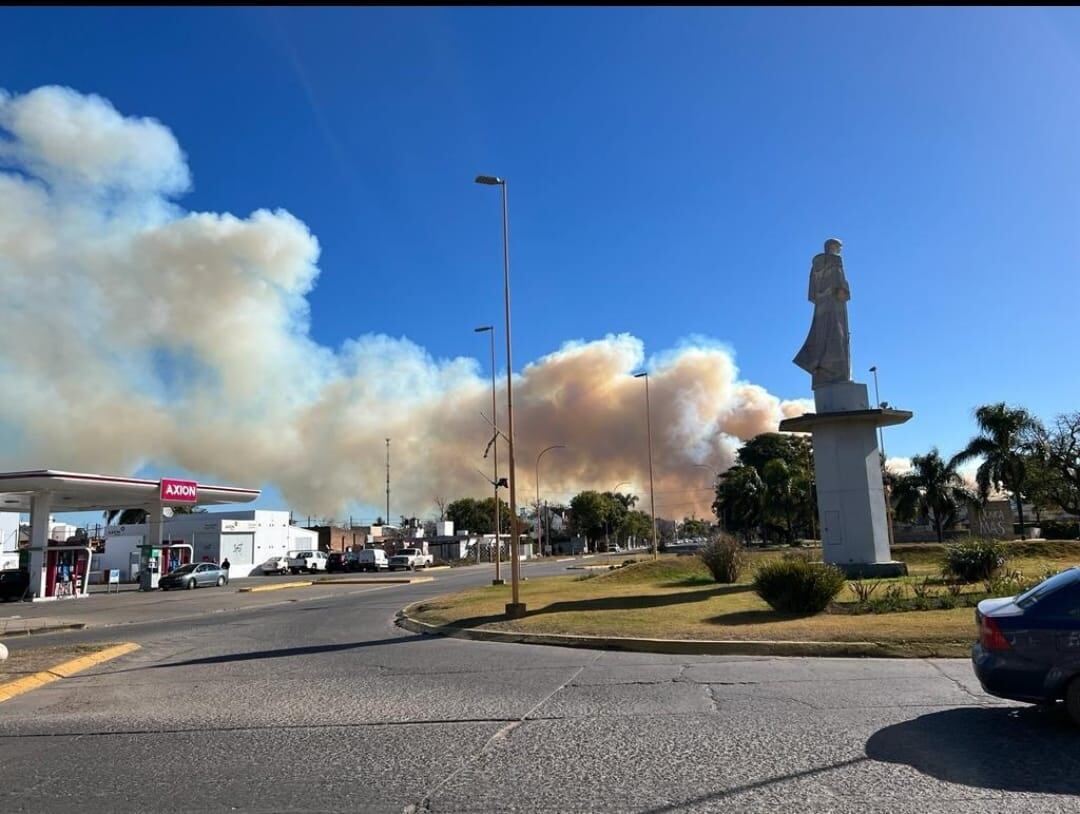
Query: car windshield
(1044, 589)
(183, 569)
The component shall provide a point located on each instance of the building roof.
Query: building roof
(80, 491)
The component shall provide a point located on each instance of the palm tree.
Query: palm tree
(932, 490)
(1001, 443)
(779, 486)
(740, 501)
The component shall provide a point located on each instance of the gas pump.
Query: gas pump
(149, 567)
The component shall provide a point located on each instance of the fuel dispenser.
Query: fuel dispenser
(149, 567)
(66, 566)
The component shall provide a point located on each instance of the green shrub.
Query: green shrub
(796, 585)
(973, 560)
(724, 557)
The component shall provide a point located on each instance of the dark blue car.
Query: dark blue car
(1029, 645)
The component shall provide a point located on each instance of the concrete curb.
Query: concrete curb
(254, 589)
(46, 628)
(65, 669)
(682, 647)
(374, 581)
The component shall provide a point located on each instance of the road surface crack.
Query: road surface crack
(502, 734)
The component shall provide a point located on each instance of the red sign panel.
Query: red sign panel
(179, 491)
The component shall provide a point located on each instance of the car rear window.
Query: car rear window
(1044, 589)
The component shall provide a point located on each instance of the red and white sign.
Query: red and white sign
(179, 491)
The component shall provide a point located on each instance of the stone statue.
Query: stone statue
(826, 353)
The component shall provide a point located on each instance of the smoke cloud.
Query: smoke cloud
(136, 332)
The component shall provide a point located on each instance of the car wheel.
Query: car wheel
(191, 584)
(220, 581)
(1072, 700)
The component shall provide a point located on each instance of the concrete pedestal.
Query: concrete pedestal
(847, 468)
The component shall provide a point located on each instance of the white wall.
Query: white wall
(248, 537)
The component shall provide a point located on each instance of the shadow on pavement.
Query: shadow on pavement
(288, 652)
(609, 603)
(717, 796)
(1005, 748)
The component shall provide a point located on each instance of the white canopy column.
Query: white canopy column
(41, 505)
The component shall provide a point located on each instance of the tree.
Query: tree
(588, 512)
(440, 504)
(933, 490)
(125, 517)
(740, 500)
(780, 493)
(692, 527)
(794, 450)
(1058, 451)
(636, 526)
(478, 516)
(1002, 443)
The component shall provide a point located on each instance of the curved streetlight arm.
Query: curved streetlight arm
(538, 523)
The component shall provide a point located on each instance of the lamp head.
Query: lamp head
(490, 180)
(483, 329)
(640, 375)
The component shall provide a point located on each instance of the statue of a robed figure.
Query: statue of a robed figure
(826, 353)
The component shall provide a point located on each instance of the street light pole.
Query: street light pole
(652, 490)
(516, 609)
(490, 329)
(539, 522)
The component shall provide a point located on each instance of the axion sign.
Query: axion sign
(179, 491)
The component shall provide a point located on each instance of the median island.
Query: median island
(922, 615)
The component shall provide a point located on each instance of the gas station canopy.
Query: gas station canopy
(80, 492)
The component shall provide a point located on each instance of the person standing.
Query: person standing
(225, 567)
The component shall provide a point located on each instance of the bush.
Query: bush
(973, 560)
(796, 585)
(724, 557)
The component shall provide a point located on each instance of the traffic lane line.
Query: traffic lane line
(254, 589)
(65, 669)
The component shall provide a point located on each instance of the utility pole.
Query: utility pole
(388, 481)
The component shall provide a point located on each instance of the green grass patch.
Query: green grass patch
(674, 598)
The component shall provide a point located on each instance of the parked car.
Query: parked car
(310, 561)
(372, 559)
(341, 561)
(275, 565)
(14, 583)
(410, 559)
(1029, 645)
(194, 575)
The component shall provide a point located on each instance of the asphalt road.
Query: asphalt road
(325, 705)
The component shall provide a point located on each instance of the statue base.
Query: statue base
(873, 570)
(847, 468)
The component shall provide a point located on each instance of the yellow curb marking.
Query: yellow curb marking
(63, 670)
(280, 586)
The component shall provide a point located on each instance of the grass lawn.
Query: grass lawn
(20, 663)
(675, 598)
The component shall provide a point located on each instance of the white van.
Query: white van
(372, 559)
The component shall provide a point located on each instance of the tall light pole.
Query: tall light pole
(539, 523)
(652, 490)
(490, 330)
(516, 609)
(388, 481)
(881, 443)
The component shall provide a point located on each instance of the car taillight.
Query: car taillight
(991, 637)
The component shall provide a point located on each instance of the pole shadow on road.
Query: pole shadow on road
(608, 603)
(1005, 748)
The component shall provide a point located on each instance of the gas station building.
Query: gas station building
(44, 492)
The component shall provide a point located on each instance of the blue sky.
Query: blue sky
(672, 173)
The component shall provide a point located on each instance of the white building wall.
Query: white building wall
(246, 537)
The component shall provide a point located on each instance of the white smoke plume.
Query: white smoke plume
(135, 332)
